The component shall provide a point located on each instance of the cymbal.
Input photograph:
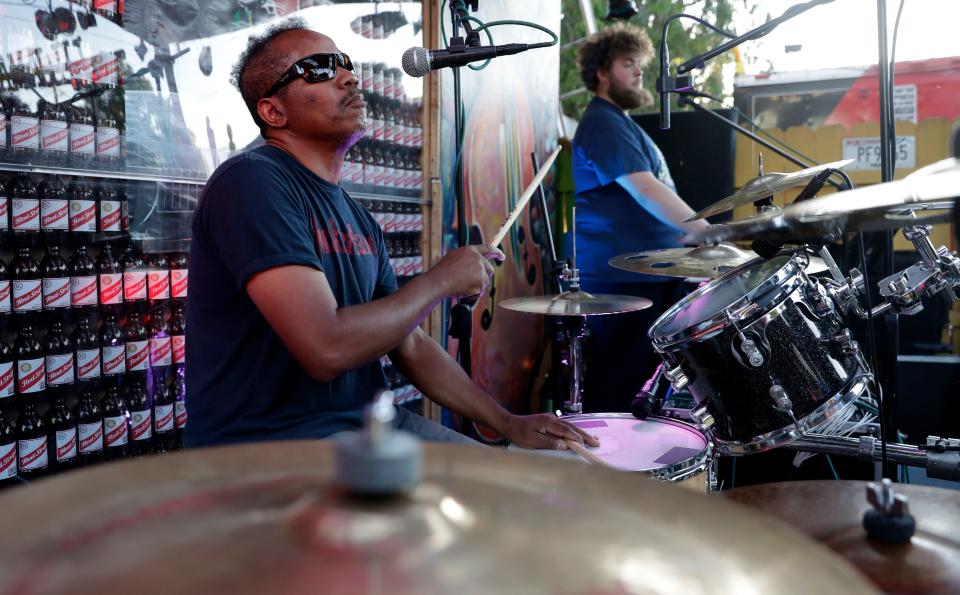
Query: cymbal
(872, 208)
(701, 262)
(766, 185)
(831, 513)
(265, 518)
(576, 303)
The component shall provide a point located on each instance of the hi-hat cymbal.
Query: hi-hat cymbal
(266, 518)
(576, 303)
(705, 262)
(831, 512)
(872, 208)
(767, 185)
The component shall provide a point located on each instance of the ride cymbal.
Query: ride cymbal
(704, 262)
(576, 303)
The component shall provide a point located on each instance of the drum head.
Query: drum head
(653, 444)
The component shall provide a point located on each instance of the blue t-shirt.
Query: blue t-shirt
(609, 144)
(259, 210)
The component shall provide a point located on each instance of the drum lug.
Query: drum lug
(702, 417)
(845, 340)
(819, 298)
(754, 356)
(780, 398)
(677, 378)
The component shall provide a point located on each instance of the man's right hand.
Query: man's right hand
(466, 271)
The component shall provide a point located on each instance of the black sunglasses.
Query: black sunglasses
(313, 69)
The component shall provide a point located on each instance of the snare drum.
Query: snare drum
(663, 448)
(765, 353)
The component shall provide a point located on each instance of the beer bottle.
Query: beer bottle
(163, 415)
(54, 208)
(178, 332)
(141, 420)
(8, 385)
(82, 135)
(83, 279)
(137, 347)
(62, 440)
(59, 356)
(87, 350)
(179, 390)
(111, 281)
(24, 209)
(6, 305)
(115, 425)
(83, 207)
(113, 348)
(158, 278)
(31, 368)
(179, 272)
(134, 275)
(26, 286)
(9, 467)
(56, 283)
(89, 428)
(160, 342)
(109, 214)
(32, 442)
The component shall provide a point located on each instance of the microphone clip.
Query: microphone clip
(675, 84)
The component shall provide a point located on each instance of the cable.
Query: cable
(832, 468)
(873, 352)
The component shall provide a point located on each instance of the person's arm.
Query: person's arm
(662, 202)
(441, 379)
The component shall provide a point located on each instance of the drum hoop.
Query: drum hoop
(779, 280)
(675, 472)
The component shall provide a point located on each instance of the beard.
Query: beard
(628, 98)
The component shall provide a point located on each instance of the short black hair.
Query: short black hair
(615, 41)
(258, 68)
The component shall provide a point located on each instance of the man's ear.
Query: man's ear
(271, 111)
(603, 77)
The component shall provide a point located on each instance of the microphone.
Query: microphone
(663, 85)
(768, 249)
(642, 405)
(420, 61)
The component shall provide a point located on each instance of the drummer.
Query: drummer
(293, 301)
(626, 202)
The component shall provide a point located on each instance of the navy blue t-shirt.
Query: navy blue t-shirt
(609, 144)
(259, 210)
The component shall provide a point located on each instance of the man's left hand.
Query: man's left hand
(545, 430)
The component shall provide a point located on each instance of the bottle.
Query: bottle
(6, 305)
(31, 368)
(9, 464)
(89, 428)
(32, 442)
(112, 347)
(179, 272)
(163, 416)
(26, 286)
(141, 420)
(24, 209)
(134, 275)
(56, 282)
(59, 356)
(116, 432)
(54, 207)
(109, 214)
(108, 143)
(124, 207)
(160, 342)
(83, 280)
(83, 207)
(86, 350)
(24, 134)
(4, 204)
(8, 385)
(137, 345)
(179, 390)
(54, 134)
(82, 136)
(178, 335)
(158, 278)
(62, 438)
(111, 280)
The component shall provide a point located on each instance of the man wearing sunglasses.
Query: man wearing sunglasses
(293, 300)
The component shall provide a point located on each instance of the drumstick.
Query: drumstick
(524, 198)
(584, 453)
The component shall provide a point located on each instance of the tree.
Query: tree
(686, 38)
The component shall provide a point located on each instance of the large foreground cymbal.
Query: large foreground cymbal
(705, 262)
(265, 518)
(576, 303)
(831, 513)
(766, 185)
(872, 208)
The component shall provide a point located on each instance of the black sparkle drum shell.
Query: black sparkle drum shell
(803, 355)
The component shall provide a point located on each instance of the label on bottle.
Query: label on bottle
(56, 293)
(114, 359)
(83, 291)
(141, 425)
(66, 445)
(180, 410)
(107, 63)
(115, 431)
(134, 286)
(4, 211)
(108, 142)
(178, 283)
(82, 138)
(111, 288)
(110, 215)
(33, 453)
(24, 132)
(91, 437)
(8, 460)
(163, 417)
(158, 284)
(82, 69)
(160, 351)
(59, 369)
(54, 136)
(88, 363)
(7, 386)
(179, 348)
(83, 216)
(27, 295)
(138, 353)
(5, 304)
(55, 214)
(31, 375)
(26, 214)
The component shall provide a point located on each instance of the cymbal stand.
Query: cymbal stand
(575, 329)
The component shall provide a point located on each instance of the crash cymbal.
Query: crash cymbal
(266, 518)
(872, 208)
(576, 303)
(766, 185)
(706, 262)
(831, 512)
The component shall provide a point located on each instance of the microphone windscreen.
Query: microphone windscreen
(416, 61)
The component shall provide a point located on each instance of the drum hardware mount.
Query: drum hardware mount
(889, 520)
